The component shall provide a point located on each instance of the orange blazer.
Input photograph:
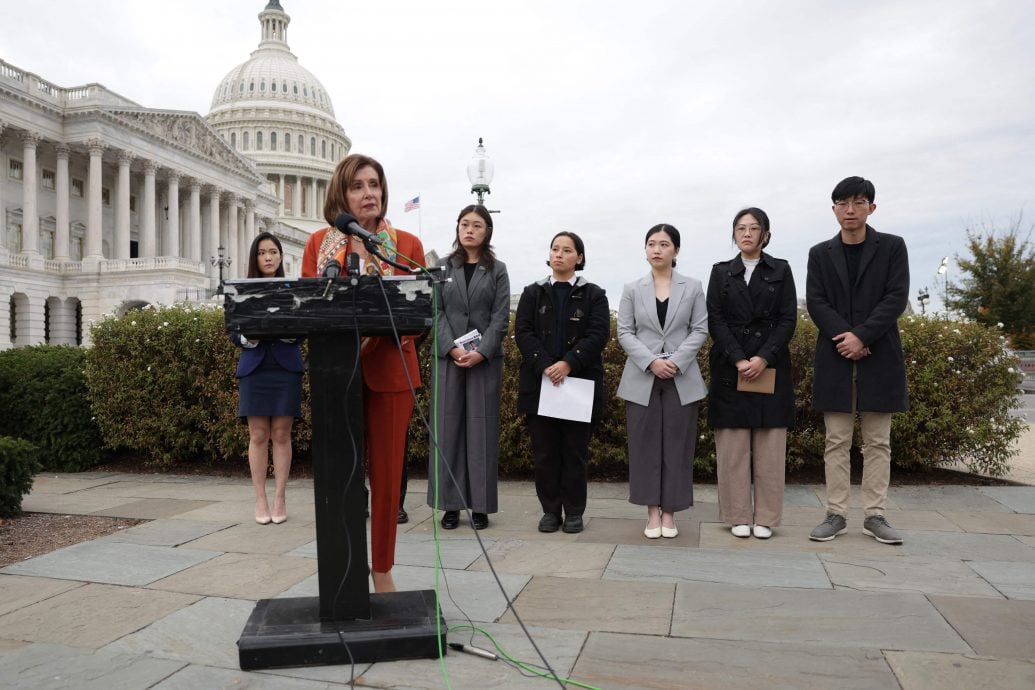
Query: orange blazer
(382, 369)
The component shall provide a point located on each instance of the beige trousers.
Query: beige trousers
(739, 454)
(876, 450)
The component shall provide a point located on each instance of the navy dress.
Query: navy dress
(270, 379)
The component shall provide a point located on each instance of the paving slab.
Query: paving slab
(167, 532)
(203, 491)
(244, 512)
(153, 508)
(556, 559)
(91, 616)
(463, 594)
(17, 591)
(194, 677)
(993, 523)
(801, 496)
(1029, 541)
(7, 645)
(791, 538)
(1020, 499)
(855, 498)
(255, 538)
(205, 632)
(613, 531)
(918, 574)
(928, 671)
(637, 662)
(612, 605)
(842, 618)
(965, 546)
(997, 628)
(1014, 580)
(80, 503)
(955, 498)
(111, 562)
(561, 647)
(65, 484)
(240, 576)
(419, 550)
(58, 666)
(749, 568)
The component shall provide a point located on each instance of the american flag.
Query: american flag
(412, 204)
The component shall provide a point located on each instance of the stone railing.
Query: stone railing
(157, 263)
(194, 294)
(34, 86)
(51, 266)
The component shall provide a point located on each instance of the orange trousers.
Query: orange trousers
(387, 419)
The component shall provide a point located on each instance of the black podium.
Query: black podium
(346, 623)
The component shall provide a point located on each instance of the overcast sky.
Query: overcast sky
(606, 118)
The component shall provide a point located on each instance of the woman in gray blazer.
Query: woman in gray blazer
(662, 324)
(469, 375)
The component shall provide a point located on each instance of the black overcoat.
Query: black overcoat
(869, 309)
(587, 330)
(748, 319)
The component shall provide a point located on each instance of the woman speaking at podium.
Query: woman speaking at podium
(358, 187)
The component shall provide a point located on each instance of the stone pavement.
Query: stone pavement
(162, 604)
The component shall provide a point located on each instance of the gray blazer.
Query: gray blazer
(486, 306)
(643, 339)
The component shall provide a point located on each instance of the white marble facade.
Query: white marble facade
(106, 205)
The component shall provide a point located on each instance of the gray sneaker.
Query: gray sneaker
(877, 527)
(831, 527)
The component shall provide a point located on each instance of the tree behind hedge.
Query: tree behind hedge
(43, 400)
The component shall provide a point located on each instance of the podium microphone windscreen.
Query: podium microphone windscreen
(332, 269)
(346, 223)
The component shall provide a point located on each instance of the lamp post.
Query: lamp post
(480, 171)
(943, 270)
(923, 297)
(222, 260)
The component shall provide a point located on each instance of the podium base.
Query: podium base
(288, 632)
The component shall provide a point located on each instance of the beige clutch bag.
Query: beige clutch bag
(765, 383)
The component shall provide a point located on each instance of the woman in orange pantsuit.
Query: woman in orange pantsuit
(358, 187)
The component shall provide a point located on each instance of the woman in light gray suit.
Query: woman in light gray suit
(468, 377)
(662, 324)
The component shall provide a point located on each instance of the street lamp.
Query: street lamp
(223, 261)
(479, 172)
(943, 270)
(923, 297)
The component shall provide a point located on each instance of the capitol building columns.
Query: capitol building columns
(146, 240)
(194, 222)
(121, 249)
(62, 238)
(213, 236)
(171, 235)
(94, 216)
(30, 215)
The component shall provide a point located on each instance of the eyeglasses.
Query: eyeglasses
(852, 203)
(741, 229)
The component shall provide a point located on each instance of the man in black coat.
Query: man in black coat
(857, 287)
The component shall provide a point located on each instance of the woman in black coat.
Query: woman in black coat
(752, 314)
(561, 327)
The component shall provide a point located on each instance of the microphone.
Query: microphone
(348, 225)
(332, 269)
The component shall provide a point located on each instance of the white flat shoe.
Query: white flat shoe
(669, 532)
(741, 531)
(652, 532)
(762, 532)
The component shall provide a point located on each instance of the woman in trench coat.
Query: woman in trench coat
(752, 314)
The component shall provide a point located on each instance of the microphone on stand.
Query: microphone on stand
(332, 269)
(347, 223)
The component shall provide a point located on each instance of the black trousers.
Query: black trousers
(560, 449)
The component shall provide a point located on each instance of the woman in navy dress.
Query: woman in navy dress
(270, 377)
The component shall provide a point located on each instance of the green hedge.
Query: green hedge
(43, 399)
(17, 465)
(162, 386)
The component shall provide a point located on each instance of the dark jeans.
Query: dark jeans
(560, 448)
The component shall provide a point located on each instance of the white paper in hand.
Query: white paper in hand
(573, 399)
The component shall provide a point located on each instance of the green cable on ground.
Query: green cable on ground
(521, 664)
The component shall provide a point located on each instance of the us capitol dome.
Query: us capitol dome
(275, 112)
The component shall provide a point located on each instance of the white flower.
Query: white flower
(1009, 370)
(149, 368)
(132, 323)
(951, 359)
(914, 361)
(999, 325)
(165, 323)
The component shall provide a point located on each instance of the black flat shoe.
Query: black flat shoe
(403, 517)
(479, 520)
(451, 519)
(549, 522)
(572, 524)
